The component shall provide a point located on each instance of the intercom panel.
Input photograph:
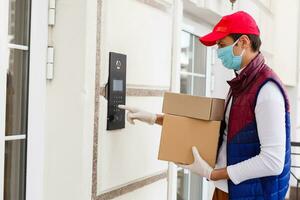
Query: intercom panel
(116, 91)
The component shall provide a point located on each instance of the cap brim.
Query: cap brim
(211, 38)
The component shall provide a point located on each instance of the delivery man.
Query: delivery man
(254, 148)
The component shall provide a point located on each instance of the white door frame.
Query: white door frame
(179, 24)
(175, 85)
(37, 100)
(3, 71)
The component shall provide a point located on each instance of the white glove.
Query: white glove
(136, 113)
(199, 166)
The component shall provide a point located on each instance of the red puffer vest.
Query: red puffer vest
(242, 138)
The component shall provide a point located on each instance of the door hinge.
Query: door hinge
(51, 17)
(50, 63)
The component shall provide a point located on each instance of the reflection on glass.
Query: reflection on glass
(182, 185)
(186, 51)
(16, 98)
(199, 86)
(185, 84)
(195, 187)
(199, 57)
(15, 162)
(19, 21)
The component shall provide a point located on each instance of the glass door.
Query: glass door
(193, 81)
(15, 34)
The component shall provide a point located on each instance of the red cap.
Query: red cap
(239, 22)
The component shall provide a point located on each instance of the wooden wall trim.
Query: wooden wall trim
(132, 186)
(139, 92)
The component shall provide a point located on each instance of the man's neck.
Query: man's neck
(247, 59)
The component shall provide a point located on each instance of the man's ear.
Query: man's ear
(246, 43)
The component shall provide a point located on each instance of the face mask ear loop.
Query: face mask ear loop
(234, 45)
(243, 52)
(235, 42)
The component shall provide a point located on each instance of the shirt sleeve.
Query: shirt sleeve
(270, 120)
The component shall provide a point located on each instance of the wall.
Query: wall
(143, 31)
(285, 42)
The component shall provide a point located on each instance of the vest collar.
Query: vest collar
(247, 75)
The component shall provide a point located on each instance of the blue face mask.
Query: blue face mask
(228, 59)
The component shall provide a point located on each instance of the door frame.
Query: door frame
(4, 6)
(181, 23)
(198, 30)
(37, 100)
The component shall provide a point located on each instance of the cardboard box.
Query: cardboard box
(193, 106)
(190, 121)
(179, 134)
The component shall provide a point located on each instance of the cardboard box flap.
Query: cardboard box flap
(193, 106)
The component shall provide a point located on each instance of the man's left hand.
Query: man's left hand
(199, 166)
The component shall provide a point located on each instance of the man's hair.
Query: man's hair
(254, 39)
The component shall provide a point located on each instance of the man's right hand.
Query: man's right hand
(136, 113)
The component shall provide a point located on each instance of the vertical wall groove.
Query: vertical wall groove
(97, 99)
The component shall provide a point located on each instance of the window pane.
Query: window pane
(15, 162)
(185, 84)
(195, 187)
(186, 51)
(199, 86)
(199, 57)
(16, 98)
(182, 185)
(19, 21)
